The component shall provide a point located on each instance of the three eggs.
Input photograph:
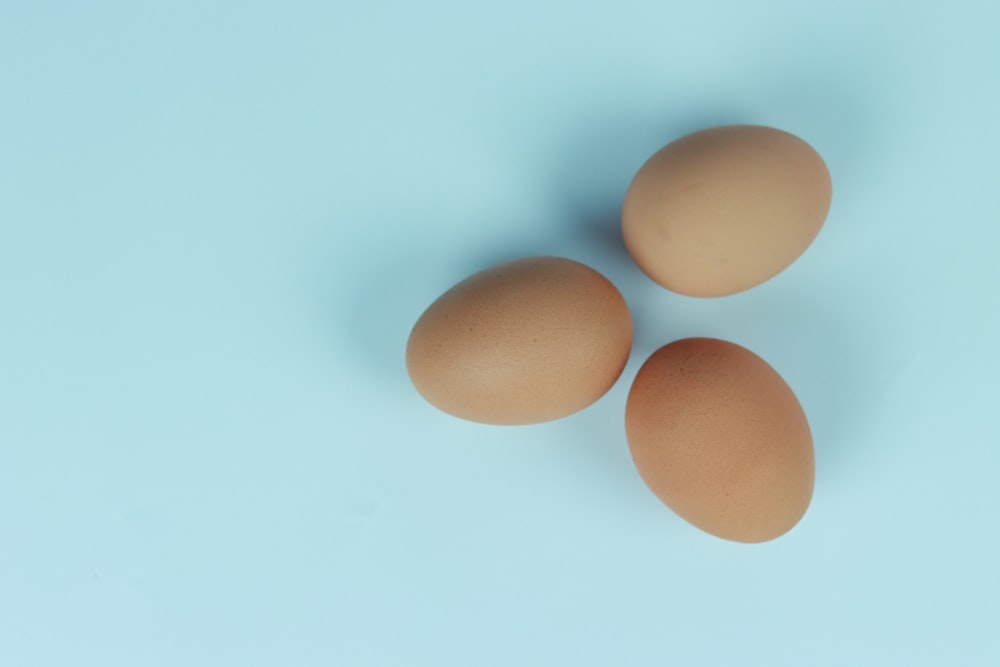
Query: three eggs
(714, 431)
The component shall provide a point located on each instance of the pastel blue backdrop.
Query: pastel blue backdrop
(219, 220)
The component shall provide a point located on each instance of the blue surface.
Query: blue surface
(219, 220)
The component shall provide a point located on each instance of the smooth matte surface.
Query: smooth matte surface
(721, 439)
(219, 220)
(725, 209)
(521, 342)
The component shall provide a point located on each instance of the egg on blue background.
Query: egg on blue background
(219, 222)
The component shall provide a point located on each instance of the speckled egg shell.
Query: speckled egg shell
(721, 439)
(522, 342)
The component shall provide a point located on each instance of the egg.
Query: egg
(721, 439)
(723, 209)
(522, 342)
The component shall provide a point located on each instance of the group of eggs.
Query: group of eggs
(714, 430)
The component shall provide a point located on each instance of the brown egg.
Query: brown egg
(720, 438)
(522, 342)
(721, 210)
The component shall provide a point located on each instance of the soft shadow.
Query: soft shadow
(593, 167)
(793, 327)
(591, 175)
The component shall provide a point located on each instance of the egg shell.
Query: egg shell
(522, 342)
(723, 209)
(721, 439)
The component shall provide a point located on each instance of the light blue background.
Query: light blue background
(218, 221)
